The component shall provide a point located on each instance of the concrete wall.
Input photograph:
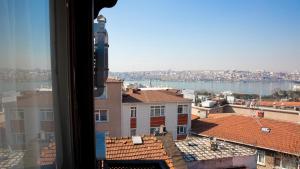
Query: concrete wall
(112, 103)
(269, 160)
(203, 112)
(276, 114)
(244, 161)
(143, 118)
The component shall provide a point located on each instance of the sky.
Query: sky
(25, 34)
(168, 34)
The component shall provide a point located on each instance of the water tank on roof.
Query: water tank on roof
(208, 103)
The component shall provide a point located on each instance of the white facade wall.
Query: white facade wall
(143, 117)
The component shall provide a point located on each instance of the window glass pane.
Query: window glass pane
(26, 105)
(277, 161)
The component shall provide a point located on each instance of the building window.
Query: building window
(182, 109)
(154, 130)
(18, 138)
(181, 130)
(132, 132)
(260, 157)
(133, 112)
(277, 162)
(17, 114)
(101, 115)
(46, 115)
(157, 111)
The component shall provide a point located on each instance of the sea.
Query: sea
(246, 87)
(249, 87)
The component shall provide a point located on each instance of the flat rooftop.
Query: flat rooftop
(199, 148)
(10, 159)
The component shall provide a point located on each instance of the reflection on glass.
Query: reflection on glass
(26, 112)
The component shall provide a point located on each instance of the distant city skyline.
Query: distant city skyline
(160, 35)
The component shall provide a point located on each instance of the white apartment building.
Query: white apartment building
(147, 112)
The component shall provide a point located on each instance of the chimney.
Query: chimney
(260, 114)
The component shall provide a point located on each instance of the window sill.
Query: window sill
(181, 134)
(261, 164)
(102, 121)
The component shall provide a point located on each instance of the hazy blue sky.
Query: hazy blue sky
(168, 34)
(24, 34)
(204, 34)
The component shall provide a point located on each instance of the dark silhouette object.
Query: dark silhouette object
(99, 4)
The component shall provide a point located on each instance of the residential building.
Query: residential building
(155, 111)
(277, 142)
(29, 118)
(108, 109)
(209, 153)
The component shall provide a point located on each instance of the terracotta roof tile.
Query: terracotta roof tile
(154, 96)
(284, 136)
(48, 155)
(124, 149)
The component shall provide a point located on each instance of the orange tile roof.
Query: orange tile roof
(48, 155)
(195, 117)
(154, 96)
(124, 149)
(284, 136)
(286, 104)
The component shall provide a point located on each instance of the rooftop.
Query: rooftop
(154, 96)
(199, 148)
(283, 137)
(48, 155)
(10, 159)
(124, 149)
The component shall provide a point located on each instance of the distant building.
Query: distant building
(296, 87)
(277, 142)
(29, 118)
(154, 111)
(108, 109)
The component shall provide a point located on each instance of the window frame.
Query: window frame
(44, 113)
(131, 130)
(15, 138)
(259, 152)
(183, 106)
(184, 127)
(15, 114)
(133, 110)
(98, 112)
(156, 128)
(155, 108)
